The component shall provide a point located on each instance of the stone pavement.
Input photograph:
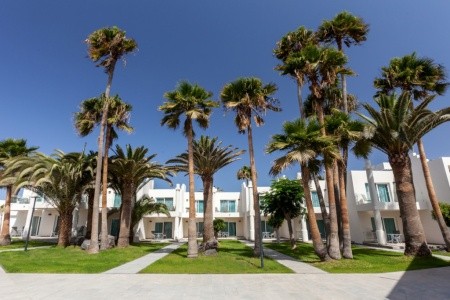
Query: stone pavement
(307, 283)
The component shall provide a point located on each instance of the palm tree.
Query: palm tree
(244, 173)
(194, 102)
(61, 178)
(394, 129)
(345, 130)
(10, 149)
(249, 97)
(90, 115)
(302, 142)
(129, 170)
(345, 29)
(419, 77)
(288, 48)
(209, 157)
(105, 47)
(325, 64)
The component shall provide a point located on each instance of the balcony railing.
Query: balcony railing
(20, 200)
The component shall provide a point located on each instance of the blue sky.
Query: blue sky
(45, 72)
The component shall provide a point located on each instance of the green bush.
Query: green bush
(445, 209)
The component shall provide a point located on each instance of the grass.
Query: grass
(441, 252)
(72, 259)
(16, 244)
(365, 260)
(233, 258)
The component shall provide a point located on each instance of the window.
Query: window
(315, 199)
(230, 228)
(383, 193)
(164, 228)
(369, 199)
(227, 205)
(265, 227)
(199, 206)
(199, 226)
(167, 201)
(117, 200)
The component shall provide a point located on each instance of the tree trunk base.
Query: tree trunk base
(418, 250)
(5, 240)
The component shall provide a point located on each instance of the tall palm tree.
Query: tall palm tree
(324, 66)
(195, 104)
(302, 143)
(61, 178)
(90, 115)
(394, 129)
(129, 170)
(9, 149)
(344, 29)
(249, 97)
(290, 44)
(209, 157)
(244, 173)
(345, 130)
(105, 47)
(419, 77)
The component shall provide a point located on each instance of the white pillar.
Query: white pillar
(381, 235)
(304, 229)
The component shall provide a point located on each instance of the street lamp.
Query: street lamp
(31, 221)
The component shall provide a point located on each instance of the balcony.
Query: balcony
(20, 200)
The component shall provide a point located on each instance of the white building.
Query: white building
(367, 213)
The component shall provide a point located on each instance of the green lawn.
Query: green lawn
(233, 258)
(365, 260)
(441, 252)
(16, 243)
(71, 259)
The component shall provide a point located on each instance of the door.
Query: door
(168, 230)
(321, 225)
(231, 228)
(35, 223)
(389, 225)
(115, 227)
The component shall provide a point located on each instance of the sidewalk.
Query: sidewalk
(287, 261)
(136, 265)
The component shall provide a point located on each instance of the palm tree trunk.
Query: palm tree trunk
(415, 242)
(432, 195)
(93, 247)
(5, 237)
(338, 201)
(333, 245)
(104, 243)
(65, 230)
(192, 230)
(257, 250)
(125, 216)
(346, 237)
(300, 100)
(208, 227)
(89, 214)
(323, 207)
(319, 247)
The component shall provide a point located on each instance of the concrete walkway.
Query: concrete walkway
(287, 261)
(307, 283)
(136, 265)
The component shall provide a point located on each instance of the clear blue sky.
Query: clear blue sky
(45, 72)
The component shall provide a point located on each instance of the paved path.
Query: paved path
(287, 261)
(135, 266)
(307, 283)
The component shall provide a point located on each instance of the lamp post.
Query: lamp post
(31, 222)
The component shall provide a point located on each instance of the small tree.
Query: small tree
(284, 199)
(445, 210)
(219, 225)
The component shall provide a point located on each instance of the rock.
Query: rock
(212, 244)
(211, 252)
(85, 245)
